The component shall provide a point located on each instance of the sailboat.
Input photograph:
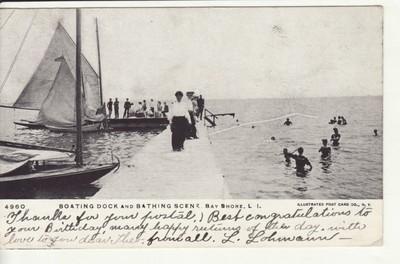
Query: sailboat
(52, 86)
(30, 165)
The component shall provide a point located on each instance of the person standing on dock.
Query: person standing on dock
(192, 106)
(144, 108)
(159, 109)
(165, 109)
(179, 122)
(110, 107)
(200, 105)
(139, 110)
(152, 108)
(127, 106)
(116, 108)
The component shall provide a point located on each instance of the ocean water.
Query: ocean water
(252, 164)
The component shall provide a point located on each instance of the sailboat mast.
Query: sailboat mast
(98, 58)
(78, 92)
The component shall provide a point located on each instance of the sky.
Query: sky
(218, 52)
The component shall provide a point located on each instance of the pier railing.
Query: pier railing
(210, 117)
(207, 117)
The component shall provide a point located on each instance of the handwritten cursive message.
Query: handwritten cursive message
(105, 224)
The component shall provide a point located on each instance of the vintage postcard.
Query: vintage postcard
(207, 126)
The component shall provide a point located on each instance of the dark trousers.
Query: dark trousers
(179, 126)
(192, 131)
(201, 110)
(126, 112)
(116, 113)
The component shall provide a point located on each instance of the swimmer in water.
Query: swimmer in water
(288, 122)
(335, 137)
(333, 121)
(376, 132)
(339, 122)
(286, 154)
(301, 162)
(325, 150)
(272, 138)
(344, 121)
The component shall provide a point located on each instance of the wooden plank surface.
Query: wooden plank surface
(159, 173)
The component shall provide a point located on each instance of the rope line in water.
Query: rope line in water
(5, 22)
(18, 51)
(262, 121)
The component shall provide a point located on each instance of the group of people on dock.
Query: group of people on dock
(140, 109)
(150, 109)
(183, 117)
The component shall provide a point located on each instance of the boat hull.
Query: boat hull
(30, 125)
(138, 123)
(125, 124)
(68, 176)
(96, 127)
(30, 146)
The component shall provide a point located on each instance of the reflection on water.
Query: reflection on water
(254, 166)
(98, 147)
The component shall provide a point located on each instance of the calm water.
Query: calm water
(252, 164)
(97, 148)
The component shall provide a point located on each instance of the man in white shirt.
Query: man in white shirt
(180, 120)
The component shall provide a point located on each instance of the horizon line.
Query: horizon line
(248, 98)
(298, 97)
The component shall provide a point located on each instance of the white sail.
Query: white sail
(51, 88)
(37, 89)
(58, 108)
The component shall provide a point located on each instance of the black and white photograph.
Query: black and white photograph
(160, 103)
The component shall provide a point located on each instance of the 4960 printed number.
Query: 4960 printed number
(14, 206)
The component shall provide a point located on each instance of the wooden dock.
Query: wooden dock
(159, 173)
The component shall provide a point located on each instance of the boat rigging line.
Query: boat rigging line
(261, 121)
(5, 22)
(18, 51)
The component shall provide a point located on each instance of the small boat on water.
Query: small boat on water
(30, 166)
(29, 124)
(64, 129)
(121, 124)
(52, 85)
(51, 89)
(95, 127)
